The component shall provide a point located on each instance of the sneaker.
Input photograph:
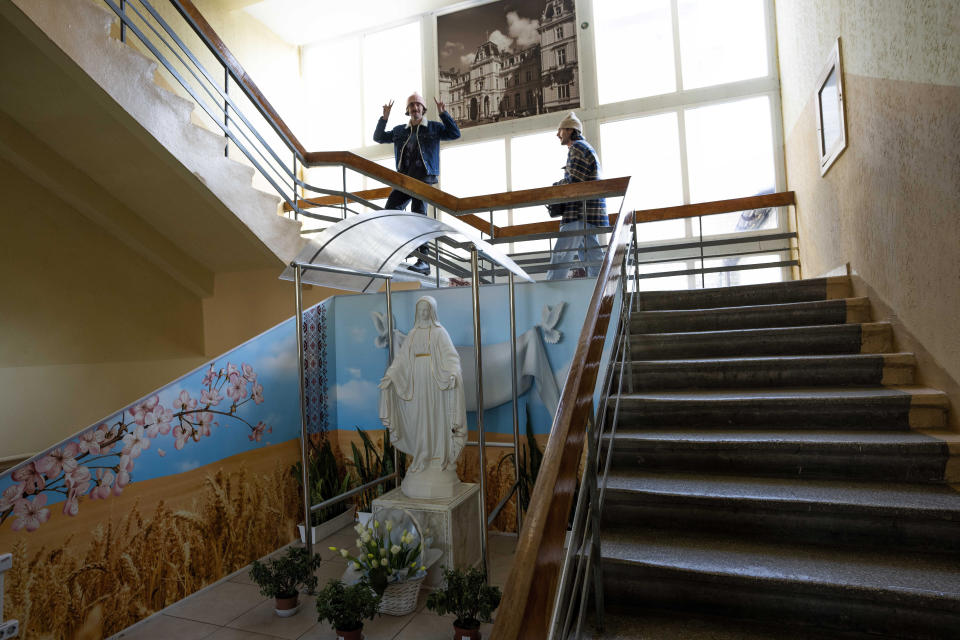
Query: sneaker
(420, 267)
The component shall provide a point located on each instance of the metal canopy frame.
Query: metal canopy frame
(356, 254)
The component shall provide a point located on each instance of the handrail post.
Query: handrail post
(10, 628)
(511, 291)
(123, 28)
(305, 469)
(482, 441)
(389, 292)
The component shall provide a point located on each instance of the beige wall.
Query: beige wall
(890, 204)
(87, 324)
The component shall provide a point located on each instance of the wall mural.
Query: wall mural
(507, 60)
(192, 482)
(177, 490)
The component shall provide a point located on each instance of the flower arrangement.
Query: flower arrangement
(388, 551)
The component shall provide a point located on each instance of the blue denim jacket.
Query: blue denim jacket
(429, 135)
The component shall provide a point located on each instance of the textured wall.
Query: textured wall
(889, 204)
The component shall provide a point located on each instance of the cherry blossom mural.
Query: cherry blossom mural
(100, 462)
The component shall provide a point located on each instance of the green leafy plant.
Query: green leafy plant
(346, 607)
(282, 577)
(528, 466)
(327, 480)
(370, 465)
(466, 594)
(387, 553)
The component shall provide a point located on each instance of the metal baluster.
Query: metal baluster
(123, 20)
(477, 347)
(513, 388)
(226, 111)
(305, 471)
(389, 290)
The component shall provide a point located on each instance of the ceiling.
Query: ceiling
(302, 22)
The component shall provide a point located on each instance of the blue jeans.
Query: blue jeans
(568, 247)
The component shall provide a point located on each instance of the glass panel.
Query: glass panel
(648, 149)
(721, 41)
(634, 42)
(730, 155)
(391, 71)
(335, 121)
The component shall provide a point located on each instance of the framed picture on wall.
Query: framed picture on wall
(831, 123)
(506, 60)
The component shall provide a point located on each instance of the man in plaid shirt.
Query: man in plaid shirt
(582, 165)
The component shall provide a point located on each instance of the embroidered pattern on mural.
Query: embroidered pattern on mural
(315, 368)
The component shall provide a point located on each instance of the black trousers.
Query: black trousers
(398, 200)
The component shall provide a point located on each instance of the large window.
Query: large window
(391, 71)
(634, 49)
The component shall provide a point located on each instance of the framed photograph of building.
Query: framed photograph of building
(504, 60)
(831, 123)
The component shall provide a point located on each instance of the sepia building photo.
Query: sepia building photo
(501, 61)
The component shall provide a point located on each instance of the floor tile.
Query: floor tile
(429, 626)
(226, 633)
(163, 627)
(242, 577)
(219, 604)
(262, 619)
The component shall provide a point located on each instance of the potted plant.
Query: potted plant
(466, 594)
(346, 607)
(281, 578)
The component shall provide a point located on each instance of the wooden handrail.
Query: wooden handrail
(530, 590)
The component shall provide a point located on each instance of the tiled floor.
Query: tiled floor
(235, 610)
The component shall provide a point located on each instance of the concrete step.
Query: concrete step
(794, 314)
(788, 408)
(772, 293)
(922, 517)
(871, 337)
(902, 456)
(774, 371)
(903, 594)
(633, 623)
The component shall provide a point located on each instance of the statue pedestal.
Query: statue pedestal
(453, 523)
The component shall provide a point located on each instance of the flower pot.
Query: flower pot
(459, 633)
(328, 528)
(356, 634)
(286, 607)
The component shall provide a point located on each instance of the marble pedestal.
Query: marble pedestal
(453, 523)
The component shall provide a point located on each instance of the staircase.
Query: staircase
(82, 114)
(775, 466)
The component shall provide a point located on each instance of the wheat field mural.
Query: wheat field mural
(145, 560)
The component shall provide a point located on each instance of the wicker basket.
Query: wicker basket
(400, 598)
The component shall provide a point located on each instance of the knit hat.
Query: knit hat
(571, 122)
(415, 97)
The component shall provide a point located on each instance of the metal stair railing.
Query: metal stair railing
(9, 628)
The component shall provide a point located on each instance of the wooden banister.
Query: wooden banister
(530, 590)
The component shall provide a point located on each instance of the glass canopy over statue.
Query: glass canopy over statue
(422, 404)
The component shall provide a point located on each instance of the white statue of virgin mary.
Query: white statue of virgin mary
(421, 403)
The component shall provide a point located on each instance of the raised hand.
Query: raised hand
(441, 107)
(386, 110)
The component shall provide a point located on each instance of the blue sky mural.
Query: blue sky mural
(359, 364)
(244, 399)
